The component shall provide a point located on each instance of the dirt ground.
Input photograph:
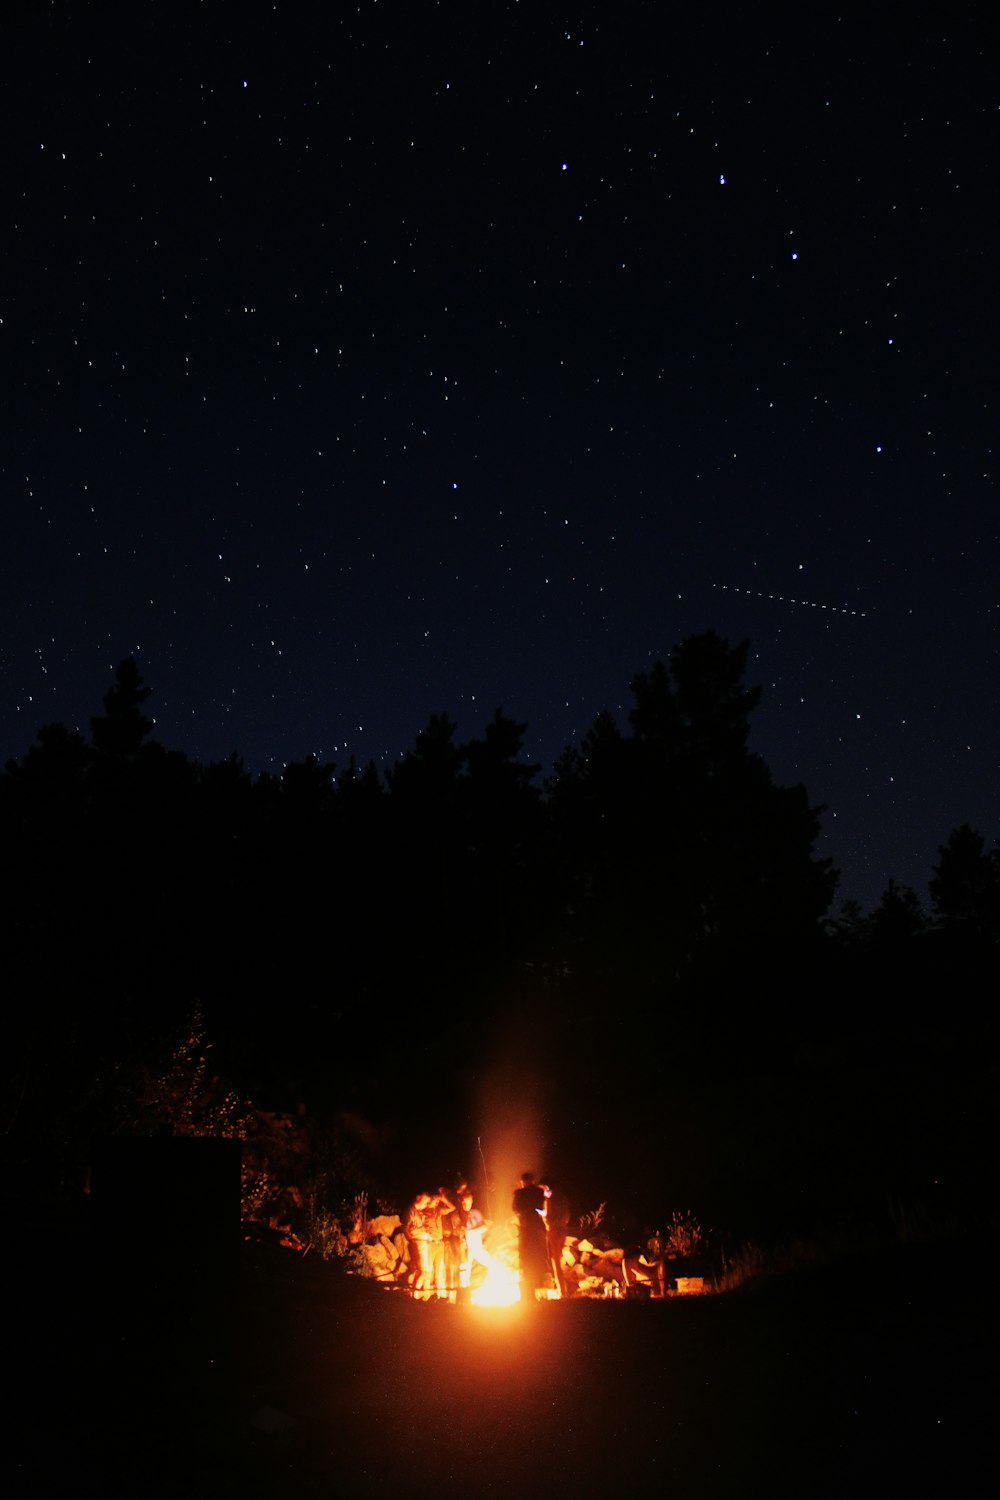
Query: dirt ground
(295, 1380)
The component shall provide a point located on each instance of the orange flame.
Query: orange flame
(501, 1286)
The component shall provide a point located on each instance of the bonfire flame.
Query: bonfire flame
(500, 1287)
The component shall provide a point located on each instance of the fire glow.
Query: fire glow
(501, 1287)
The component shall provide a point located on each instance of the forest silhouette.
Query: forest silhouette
(651, 920)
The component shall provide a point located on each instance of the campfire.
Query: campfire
(500, 1287)
(582, 1265)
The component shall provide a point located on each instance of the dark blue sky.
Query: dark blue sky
(363, 365)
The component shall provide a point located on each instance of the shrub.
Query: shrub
(683, 1237)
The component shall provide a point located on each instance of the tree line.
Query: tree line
(350, 932)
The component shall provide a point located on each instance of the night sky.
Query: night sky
(361, 362)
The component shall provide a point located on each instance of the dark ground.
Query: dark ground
(836, 1381)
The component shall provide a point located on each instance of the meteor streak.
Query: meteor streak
(836, 609)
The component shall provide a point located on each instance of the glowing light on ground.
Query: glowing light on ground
(501, 1287)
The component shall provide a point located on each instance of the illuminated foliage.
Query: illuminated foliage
(186, 1098)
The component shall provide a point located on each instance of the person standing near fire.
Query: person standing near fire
(442, 1210)
(419, 1237)
(452, 1222)
(532, 1235)
(475, 1227)
(557, 1216)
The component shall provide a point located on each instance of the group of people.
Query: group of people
(444, 1233)
(445, 1236)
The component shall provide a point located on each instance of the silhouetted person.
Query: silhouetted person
(532, 1235)
(557, 1216)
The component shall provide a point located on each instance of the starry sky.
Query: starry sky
(365, 361)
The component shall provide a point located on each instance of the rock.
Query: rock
(386, 1224)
